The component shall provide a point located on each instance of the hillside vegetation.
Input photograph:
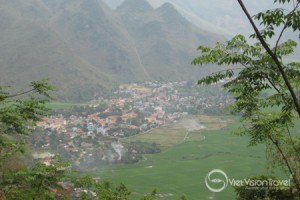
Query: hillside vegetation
(85, 48)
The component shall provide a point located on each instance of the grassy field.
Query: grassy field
(62, 105)
(181, 168)
(184, 130)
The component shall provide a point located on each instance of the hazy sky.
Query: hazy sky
(222, 16)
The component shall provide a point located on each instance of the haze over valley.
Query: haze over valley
(149, 99)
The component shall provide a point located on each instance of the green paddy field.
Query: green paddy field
(188, 154)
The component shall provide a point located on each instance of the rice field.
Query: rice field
(181, 167)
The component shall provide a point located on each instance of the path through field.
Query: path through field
(187, 129)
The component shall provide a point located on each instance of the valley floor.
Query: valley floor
(181, 167)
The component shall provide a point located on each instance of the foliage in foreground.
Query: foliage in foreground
(18, 114)
(94, 190)
(266, 191)
(39, 182)
(265, 87)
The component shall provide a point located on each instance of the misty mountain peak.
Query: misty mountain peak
(170, 13)
(168, 8)
(135, 6)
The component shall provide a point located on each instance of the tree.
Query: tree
(264, 84)
(18, 115)
(39, 182)
(261, 193)
(106, 190)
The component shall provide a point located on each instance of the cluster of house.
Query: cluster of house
(86, 135)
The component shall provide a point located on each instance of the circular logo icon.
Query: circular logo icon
(216, 180)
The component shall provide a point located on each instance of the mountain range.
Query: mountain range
(85, 48)
(222, 17)
(219, 16)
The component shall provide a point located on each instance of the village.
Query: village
(90, 136)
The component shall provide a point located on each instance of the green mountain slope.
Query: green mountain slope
(85, 48)
(32, 50)
(165, 41)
